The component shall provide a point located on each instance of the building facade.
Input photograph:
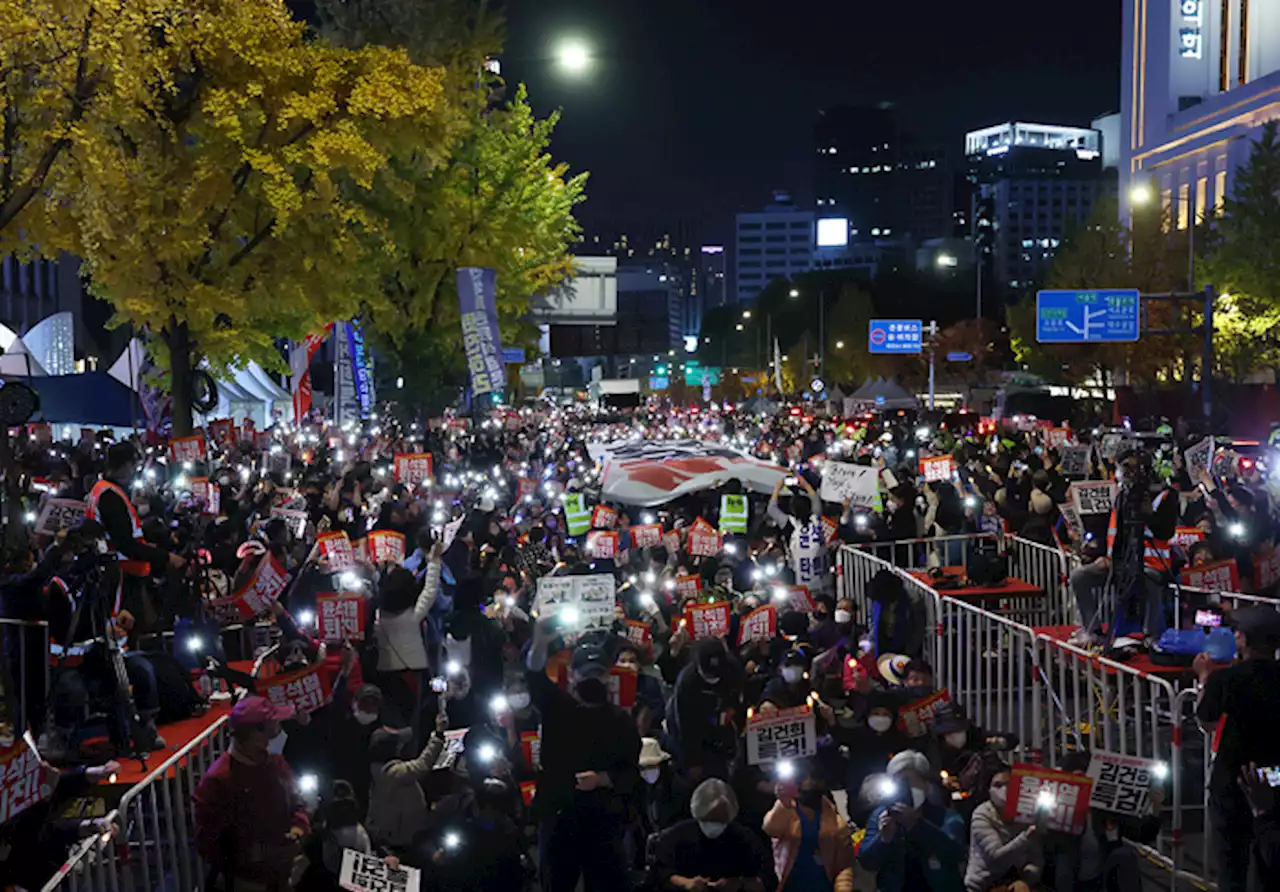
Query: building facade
(773, 243)
(1032, 183)
(1198, 80)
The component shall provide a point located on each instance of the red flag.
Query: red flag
(300, 363)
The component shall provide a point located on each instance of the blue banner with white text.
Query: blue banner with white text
(477, 302)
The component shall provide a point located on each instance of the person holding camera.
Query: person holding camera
(590, 753)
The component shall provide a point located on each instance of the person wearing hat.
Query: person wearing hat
(790, 687)
(712, 850)
(706, 688)
(590, 753)
(1242, 702)
(248, 817)
(664, 800)
(967, 755)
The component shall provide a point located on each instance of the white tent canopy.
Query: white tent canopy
(18, 362)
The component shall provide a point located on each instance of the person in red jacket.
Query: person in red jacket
(248, 816)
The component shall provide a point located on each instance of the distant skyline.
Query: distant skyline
(698, 109)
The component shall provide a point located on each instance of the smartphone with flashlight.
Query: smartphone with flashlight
(439, 685)
(790, 481)
(1209, 618)
(1270, 774)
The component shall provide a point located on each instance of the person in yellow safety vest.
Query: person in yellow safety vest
(734, 513)
(577, 516)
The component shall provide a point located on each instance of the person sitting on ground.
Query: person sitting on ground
(712, 850)
(1000, 853)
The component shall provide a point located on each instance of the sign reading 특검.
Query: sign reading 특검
(786, 734)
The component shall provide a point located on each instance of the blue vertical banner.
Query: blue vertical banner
(477, 303)
(360, 372)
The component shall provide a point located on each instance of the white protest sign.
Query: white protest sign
(59, 514)
(1095, 497)
(787, 734)
(1109, 448)
(1075, 461)
(370, 873)
(295, 520)
(593, 596)
(1121, 784)
(1072, 518)
(856, 484)
(1199, 457)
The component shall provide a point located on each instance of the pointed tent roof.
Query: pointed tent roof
(18, 362)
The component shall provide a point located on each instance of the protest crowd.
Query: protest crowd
(548, 648)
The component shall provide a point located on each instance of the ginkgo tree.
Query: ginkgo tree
(216, 209)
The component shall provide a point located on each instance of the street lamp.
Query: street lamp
(839, 345)
(1141, 195)
(746, 314)
(795, 292)
(947, 261)
(574, 57)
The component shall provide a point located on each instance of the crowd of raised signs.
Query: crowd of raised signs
(547, 646)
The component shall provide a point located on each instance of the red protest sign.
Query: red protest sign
(386, 547)
(621, 683)
(1185, 537)
(701, 526)
(704, 544)
(255, 597)
(640, 634)
(602, 545)
(760, 624)
(1059, 800)
(829, 530)
(914, 718)
(1215, 576)
(528, 789)
(937, 468)
(708, 620)
(798, 598)
(186, 449)
(526, 488)
(413, 468)
(688, 586)
(671, 541)
(339, 617)
(603, 517)
(646, 535)
(336, 547)
(305, 690)
(223, 432)
(23, 780)
(208, 495)
(531, 747)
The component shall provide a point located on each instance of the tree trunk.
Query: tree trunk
(178, 339)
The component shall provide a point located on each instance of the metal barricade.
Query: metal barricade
(1102, 705)
(987, 663)
(854, 569)
(153, 843)
(1046, 568)
(932, 551)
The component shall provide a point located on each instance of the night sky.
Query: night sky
(699, 108)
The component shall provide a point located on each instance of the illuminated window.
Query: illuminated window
(1184, 204)
(1219, 190)
(1202, 197)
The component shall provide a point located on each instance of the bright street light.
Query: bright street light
(1140, 194)
(738, 327)
(574, 57)
(795, 292)
(746, 314)
(947, 260)
(839, 345)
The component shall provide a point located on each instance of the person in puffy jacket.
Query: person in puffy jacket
(397, 805)
(1000, 852)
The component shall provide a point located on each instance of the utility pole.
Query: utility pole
(933, 335)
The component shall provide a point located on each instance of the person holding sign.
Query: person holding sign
(808, 543)
(1000, 854)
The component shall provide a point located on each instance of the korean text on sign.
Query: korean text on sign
(186, 449)
(702, 544)
(386, 547)
(1121, 784)
(1216, 576)
(787, 734)
(1093, 498)
(603, 517)
(760, 624)
(371, 873)
(413, 468)
(688, 586)
(23, 781)
(708, 620)
(937, 468)
(602, 545)
(59, 514)
(646, 535)
(339, 617)
(1057, 800)
(336, 547)
(265, 586)
(305, 690)
(915, 718)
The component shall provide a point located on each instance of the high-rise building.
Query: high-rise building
(708, 289)
(1032, 183)
(649, 319)
(856, 157)
(1198, 81)
(773, 243)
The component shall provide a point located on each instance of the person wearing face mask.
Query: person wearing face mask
(352, 723)
(706, 689)
(967, 754)
(590, 751)
(663, 802)
(248, 818)
(999, 851)
(790, 687)
(650, 706)
(914, 840)
(486, 852)
(871, 746)
(397, 806)
(812, 846)
(712, 851)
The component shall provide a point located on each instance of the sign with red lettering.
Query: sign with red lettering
(531, 747)
(914, 719)
(336, 548)
(760, 624)
(937, 468)
(23, 780)
(306, 690)
(603, 517)
(1056, 799)
(413, 468)
(1215, 576)
(602, 545)
(646, 535)
(386, 547)
(640, 634)
(704, 544)
(708, 620)
(526, 488)
(186, 449)
(339, 617)
(621, 683)
(1185, 537)
(208, 495)
(223, 432)
(688, 586)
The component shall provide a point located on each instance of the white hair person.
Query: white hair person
(714, 806)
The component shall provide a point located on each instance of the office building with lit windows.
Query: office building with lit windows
(1032, 183)
(774, 243)
(1199, 78)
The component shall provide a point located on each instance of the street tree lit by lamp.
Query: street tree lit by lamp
(1140, 194)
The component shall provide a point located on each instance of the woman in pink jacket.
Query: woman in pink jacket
(812, 844)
